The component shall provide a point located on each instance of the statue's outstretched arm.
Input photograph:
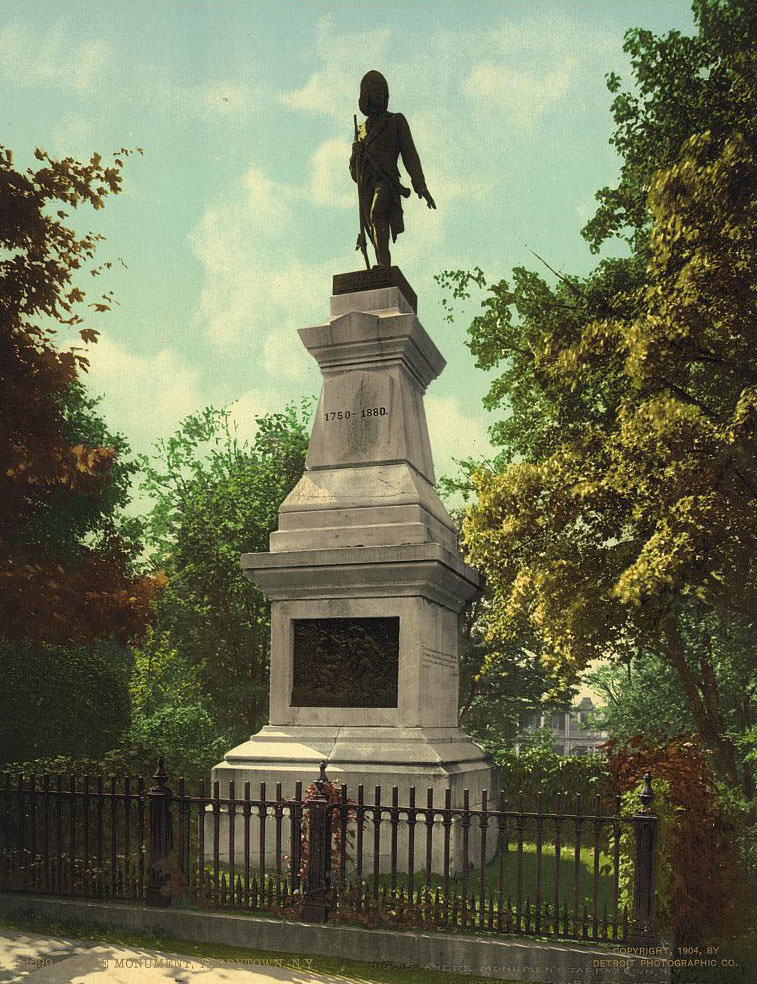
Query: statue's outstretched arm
(412, 161)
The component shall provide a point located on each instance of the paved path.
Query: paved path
(43, 960)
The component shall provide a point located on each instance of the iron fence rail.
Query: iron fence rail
(498, 868)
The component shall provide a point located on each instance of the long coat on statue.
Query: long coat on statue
(381, 140)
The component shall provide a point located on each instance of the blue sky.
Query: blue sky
(241, 209)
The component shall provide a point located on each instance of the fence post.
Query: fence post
(315, 890)
(643, 932)
(159, 797)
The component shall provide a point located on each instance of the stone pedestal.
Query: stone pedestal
(366, 583)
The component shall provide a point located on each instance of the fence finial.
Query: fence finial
(647, 794)
(160, 776)
(322, 780)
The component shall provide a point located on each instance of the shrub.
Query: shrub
(59, 701)
(700, 889)
(539, 769)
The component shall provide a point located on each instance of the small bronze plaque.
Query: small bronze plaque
(345, 662)
(375, 279)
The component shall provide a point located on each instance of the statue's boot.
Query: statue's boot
(381, 238)
(383, 257)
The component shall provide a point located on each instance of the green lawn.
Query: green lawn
(577, 905)
(548, 877)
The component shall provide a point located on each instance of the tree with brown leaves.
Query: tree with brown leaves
(67, 573)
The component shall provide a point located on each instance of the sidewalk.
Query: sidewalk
(44, 960)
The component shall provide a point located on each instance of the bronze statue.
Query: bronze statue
(379, 141)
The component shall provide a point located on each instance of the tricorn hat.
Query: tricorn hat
(368, 79)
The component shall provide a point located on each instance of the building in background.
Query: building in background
(570, 731)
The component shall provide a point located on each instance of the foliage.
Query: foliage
(619, 517)
(679, 82)
(699, 880)
(499, 688)
(215, 498)
(644, 695)
(185, 733)
(537, 770)
(168, 716)
(62, 701)
(667, 813)
(67, 571)
(332, 792)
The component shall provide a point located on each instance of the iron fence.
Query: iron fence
(498, 868)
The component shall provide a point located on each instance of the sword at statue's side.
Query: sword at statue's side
(360, 244)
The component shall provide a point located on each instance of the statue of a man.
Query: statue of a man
(379, 141)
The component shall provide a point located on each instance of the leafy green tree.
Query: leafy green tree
(72, 595)
(620, 516)
(63, 701)
(537, 769)
(646, 695)
(215, 498)
(682, 85)
(71, 697)
(643, 696)
(67, 574)
(500, 689)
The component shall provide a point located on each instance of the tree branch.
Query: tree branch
(688, 398)
(568, 283)
(472, 691)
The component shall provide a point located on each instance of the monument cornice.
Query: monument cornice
(408, 569)
(364, 341)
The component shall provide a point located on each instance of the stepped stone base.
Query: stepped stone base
(366, 585)
(424, 758)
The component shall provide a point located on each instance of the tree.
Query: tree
(59, 700)
(67, 573)
(216, 497)
(620, 517)
(500, 687)
(699, 877)
(682, 86)
(643, 696)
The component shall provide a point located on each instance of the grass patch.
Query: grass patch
(548, 877)
(570, 875)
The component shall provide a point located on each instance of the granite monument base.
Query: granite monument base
(366, 585)
(422, 759)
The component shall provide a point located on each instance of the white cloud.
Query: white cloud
(332, 90)
(251, 404)
(454, 433)
(284, 356)
(131, 383)
(523, 68)
(88, 63)
(522, 95)
(320, 94)
(330, 185)
(256, 290)
(74, 137)
(51, 59)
